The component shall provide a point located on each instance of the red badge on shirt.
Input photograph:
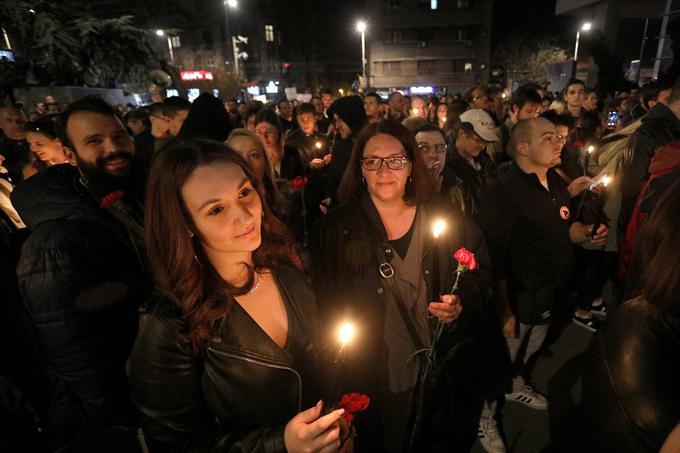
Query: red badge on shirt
(564, 212)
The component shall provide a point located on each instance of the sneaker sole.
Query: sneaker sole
(580, 324)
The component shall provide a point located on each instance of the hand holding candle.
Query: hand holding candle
(600, 208)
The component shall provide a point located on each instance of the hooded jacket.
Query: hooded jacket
(79, 279)
(350, 109)
(207, 119)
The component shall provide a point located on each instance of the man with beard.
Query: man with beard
(13, 145)
(81, 271)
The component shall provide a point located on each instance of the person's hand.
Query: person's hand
(448, 310)
(509, 326)
(317, 163)
(309, 432)
(578, 185)
(601, 234)
(327, 158)
(580, 233)
(325, 203)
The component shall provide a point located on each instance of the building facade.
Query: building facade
(429, 45)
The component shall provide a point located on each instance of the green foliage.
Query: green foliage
(60, 44)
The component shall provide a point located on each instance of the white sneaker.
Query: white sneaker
(529, 397)
(489, 437)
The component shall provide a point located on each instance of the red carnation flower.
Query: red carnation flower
(298, 182)
(353, 403)
(111, 199)
(466, 258)
(578, 144)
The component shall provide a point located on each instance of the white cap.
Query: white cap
(482, 124)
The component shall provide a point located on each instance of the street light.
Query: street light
(229, 4)
(361, 28)
(160, 33)
(587, 26)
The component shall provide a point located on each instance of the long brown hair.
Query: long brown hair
(660, 258)
(181, 270)
(420, 185)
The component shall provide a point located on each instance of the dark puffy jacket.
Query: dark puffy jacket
(631, 397)
(239, 395)
(80, 281)
(659, 127)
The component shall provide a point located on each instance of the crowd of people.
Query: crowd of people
(173, 276)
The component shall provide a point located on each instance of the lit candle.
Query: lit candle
(345, 336)
(438, 228)
(586, 159)
(600, 209)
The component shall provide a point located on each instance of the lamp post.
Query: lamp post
(160, 34)
(361, 28)
(585, 27)
(229, 47)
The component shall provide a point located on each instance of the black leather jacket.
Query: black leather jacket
(240, 394)
(631, 397)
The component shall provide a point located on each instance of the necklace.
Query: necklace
(256, 286)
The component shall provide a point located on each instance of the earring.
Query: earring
(410, 180)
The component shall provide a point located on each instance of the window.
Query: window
(390, 35)
(175, 42)
(433, 4)
(206, 38)
(461, 34)
(392, 5)
(426, 67)
(269, 33)
(392, 68)
(460, 4)
(468, 67)
(408, 35)
(426, 34)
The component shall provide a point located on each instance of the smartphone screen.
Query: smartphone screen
(612, 119)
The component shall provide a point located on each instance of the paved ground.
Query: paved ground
(528, 430)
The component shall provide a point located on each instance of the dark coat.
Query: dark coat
(460, 176)
(631, 397)
(348, 283)
(658, 128)
(239, 395)
(80, 280)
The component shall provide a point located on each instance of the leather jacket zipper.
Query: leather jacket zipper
(247, 358)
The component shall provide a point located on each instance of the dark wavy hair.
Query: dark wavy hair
(352, 187)
(660, 245)
(181, 269)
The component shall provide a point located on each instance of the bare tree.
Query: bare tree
(527, 59)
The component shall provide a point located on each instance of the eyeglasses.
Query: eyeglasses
(393, 162)
(426, 148)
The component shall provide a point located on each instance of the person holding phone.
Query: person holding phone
(227, 354)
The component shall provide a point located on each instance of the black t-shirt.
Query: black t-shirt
(400, 245)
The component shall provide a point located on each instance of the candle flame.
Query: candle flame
(591, 148)
(318, 145)
(607, 180)
(438, 227)
(346, 333)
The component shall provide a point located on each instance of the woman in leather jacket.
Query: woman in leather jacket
(225, 359)
(374, 263)
(631, 397)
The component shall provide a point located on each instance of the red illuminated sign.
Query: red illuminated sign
(195, 75)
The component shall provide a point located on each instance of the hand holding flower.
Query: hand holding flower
(448, 310)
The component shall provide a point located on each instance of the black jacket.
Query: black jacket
(240, 394)
(472, 184)
(658, 128)
(80, 280)
(631, 397)
(348, 283)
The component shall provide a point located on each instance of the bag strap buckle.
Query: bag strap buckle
(386, 270)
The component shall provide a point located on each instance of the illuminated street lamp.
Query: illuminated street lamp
(160, 33)
(587, 26)
(361, 28)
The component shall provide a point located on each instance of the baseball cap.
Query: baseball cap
(481, 123)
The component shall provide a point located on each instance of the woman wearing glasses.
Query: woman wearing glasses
(375, 265)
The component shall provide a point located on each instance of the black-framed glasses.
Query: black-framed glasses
(426, 148)
(393, 162)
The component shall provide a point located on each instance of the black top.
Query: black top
(401, 244)
(306, 144)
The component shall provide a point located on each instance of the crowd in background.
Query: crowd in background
(172, 275)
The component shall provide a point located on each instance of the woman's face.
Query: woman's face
(251, 151)
(385, 184)
(268, 134)
(45, 148)
(441, 112)
(225, 209)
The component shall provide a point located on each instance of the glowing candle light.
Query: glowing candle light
(438, 227)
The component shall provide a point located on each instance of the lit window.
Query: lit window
(175, 41)
(468, 67)
(433, 4)
(269, 33)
